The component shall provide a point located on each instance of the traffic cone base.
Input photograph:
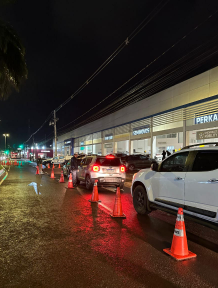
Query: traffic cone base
(70, 182)
(118, 211)
(179, 257)
(179, 248)
(117, 216)
(90, 200)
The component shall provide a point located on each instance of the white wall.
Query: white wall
(199, 87)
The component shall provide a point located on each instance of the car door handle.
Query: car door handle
(179, 178)
(213, 180)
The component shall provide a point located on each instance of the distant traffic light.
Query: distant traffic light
(6, 151)
(21, 146)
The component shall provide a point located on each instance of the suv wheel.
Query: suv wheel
(131, 167)
(88, 182)
(140, 200)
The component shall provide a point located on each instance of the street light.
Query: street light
(6, 135)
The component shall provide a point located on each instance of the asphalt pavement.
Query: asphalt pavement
(54, 237)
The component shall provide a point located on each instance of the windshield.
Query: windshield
(61, 157)
(108, 162)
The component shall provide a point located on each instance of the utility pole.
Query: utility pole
(55, 132)
(54, 122)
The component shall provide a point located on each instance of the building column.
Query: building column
(102, 144)
(151, 131)
(129, 139)
(113, 140)
(184, 129)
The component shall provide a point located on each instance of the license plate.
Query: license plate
(110, 171)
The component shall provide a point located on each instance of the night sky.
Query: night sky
(66, 41)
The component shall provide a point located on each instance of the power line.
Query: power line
(148, 18)
(134, 76)
(154, 85)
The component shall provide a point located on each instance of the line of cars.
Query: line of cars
(108, 170)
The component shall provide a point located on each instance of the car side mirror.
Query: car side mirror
(154, 167)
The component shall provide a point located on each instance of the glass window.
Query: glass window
(143, 157)
(206, 161)
(175, 163)
(108, 162)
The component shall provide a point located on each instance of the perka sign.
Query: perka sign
(206, 119)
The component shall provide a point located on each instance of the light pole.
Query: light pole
(6, 135)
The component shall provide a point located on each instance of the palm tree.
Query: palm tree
(13, 69)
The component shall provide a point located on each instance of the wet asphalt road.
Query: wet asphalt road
(53, 237)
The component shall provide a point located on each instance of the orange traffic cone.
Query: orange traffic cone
(118, 211)
(62, 178)
(37, 170)
(59, 165)
(52, 174)
(48, 166)
(94, 197)
(70, 182)
(21, 163)
(179, 247)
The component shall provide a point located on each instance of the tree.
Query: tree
(13, 69)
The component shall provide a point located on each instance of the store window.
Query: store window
(122, 146)
(97, 149)
(171, 142)
(201, 136)
(141, 146)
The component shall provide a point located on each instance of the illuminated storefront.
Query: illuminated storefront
(184, 114)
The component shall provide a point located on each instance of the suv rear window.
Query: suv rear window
(108, 162)
(206, 161)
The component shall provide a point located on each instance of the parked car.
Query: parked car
(138, 161)
(66, 166)
(108, 170)
(47, 161)
(186, 179)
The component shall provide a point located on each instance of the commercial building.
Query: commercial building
(35, 152)
(181, 115)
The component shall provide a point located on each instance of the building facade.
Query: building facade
(181, 115)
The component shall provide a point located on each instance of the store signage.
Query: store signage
(206, 119)
(108, 137)
(46, 151)
(81, 143)
(207, 134)
(108, 145)
(141, 130)
(67, 142)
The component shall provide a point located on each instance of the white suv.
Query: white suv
(186, 179)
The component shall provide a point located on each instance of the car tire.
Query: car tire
(140, 200)
(89, 185)
(131, 167)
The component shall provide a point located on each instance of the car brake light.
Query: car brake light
(110, 157)
(122, 169)
(95, 168)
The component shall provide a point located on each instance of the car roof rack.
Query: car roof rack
(200, 144)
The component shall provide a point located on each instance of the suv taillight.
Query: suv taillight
(122, 169)
(95, 168)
